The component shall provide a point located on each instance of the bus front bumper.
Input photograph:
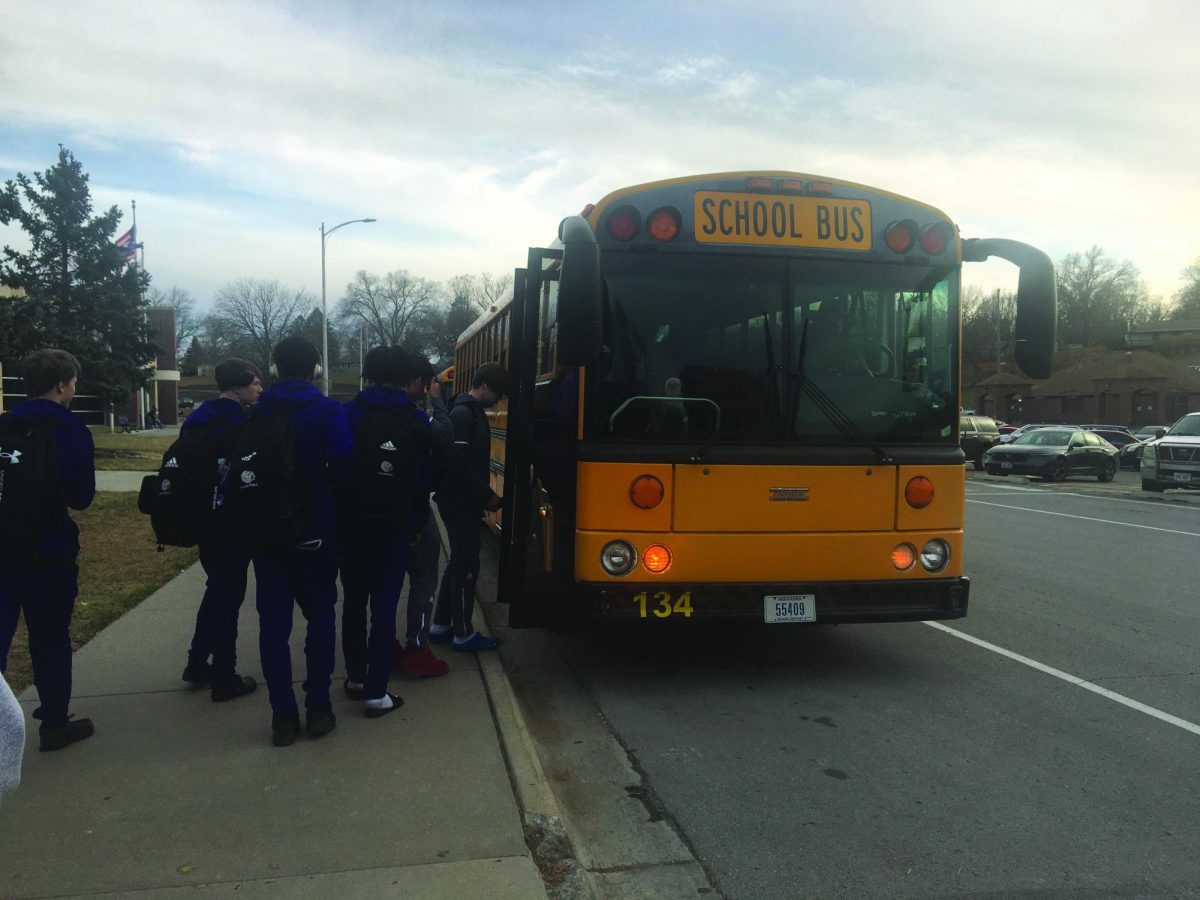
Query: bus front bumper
(834, 602)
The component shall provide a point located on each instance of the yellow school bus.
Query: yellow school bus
(737, 395)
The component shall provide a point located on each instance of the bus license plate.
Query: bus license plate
(790, 608)
(1185, 477)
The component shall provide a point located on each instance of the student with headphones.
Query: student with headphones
(303, 573)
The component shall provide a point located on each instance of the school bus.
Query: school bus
(737, 395)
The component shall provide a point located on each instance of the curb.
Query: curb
(549, 842)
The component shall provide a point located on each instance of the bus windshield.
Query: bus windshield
(706, 348)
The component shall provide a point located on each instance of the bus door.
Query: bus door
(536, 567)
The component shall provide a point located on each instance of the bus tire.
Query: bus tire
(1150, 485)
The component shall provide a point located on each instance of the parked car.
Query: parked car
(1150, 432)
(975, 435)
(1054, 452)
(1118, 439)
(1107, 428)
(1173, 460)
(1016, 433)
(186, 403)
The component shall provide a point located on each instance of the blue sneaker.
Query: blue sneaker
(441, 637)
(475, 643)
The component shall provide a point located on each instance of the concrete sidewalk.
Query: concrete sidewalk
(177, 793)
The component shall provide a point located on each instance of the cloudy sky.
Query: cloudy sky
(470, 129)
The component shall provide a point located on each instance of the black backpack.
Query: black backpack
(267, 502)
(31, 492)
(378, 497)
(181, 498)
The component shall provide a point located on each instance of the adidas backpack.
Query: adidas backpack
(182, 497)
(267, 502)
(378, 497)
(31, 494)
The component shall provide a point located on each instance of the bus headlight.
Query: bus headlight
(618, 557)
(934, 555)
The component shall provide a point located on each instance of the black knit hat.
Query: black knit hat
(295, 357)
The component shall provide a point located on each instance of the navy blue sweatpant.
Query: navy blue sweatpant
(372, 577)
(306, 577)
(423, 570)
(45, 592)
(217, 619)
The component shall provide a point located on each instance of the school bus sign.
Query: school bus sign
(782, 221)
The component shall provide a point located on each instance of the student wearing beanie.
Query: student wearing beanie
(304, 575)
(225, 560)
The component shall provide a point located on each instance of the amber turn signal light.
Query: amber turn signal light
(646, 492)
(657, 558)
(904, 556)
(918, 492)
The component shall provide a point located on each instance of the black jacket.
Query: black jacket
(468, 481)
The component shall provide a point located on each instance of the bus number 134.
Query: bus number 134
(661, 605)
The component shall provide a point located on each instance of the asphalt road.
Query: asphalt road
(905, 760)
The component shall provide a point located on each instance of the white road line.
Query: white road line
(1071, 679)
(1047, 512)
(1180, 502)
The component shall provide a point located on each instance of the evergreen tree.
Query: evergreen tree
(81, 296)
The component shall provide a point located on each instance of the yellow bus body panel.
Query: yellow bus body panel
(750, 498)
(603, 497)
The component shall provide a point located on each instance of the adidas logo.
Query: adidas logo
(171, 464)
(387, 445)
(250, 457)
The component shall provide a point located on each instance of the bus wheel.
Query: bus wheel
(1148, 485)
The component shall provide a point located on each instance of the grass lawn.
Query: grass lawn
(141, 452)
(118, 569)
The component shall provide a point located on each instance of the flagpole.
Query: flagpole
(141, 393)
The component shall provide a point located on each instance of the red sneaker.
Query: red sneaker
(421, 662)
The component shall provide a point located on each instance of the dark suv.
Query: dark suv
(975, 435)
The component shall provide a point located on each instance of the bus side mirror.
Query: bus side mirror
(1037, 303)
(580, 320)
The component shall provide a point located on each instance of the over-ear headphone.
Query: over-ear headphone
(317, 371)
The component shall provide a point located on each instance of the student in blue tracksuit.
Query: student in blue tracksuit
(306, 574)
(44, 584)
(224, 558)
(416, 657)
(373, 560)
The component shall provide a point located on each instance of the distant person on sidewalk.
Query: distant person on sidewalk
(12, 740)
(288, 456)
(380, 512)
(415, 657)
(47, 463)
(224, 557)
(462, 500)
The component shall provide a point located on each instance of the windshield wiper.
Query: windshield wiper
(843, 423)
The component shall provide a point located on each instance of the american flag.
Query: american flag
(128, 245)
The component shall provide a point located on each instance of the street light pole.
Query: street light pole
(324, 313)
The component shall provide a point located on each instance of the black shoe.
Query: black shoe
(375, 713)
(285, 730)
(320, 720)
(239, 687)
(60, 736)
(354, 693)
(197, 674)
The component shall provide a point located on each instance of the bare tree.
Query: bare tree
(187, 324)
(483, 291)
(259, 313)
(393, 308)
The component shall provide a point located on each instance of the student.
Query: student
(44, 580)
(225, 559)
(381, 510)
(462, 500)
(302, 573)
(415, 657)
